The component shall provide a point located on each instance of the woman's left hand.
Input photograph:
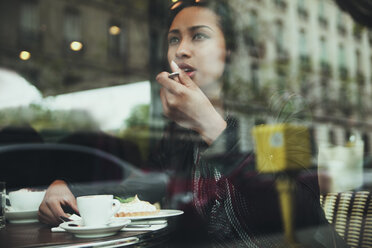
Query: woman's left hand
(57, 195)
(186, 104)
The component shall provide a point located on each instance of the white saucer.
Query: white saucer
(19, 217)
(94, 231)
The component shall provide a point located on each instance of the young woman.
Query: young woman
(226, 203)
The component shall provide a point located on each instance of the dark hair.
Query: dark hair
(221, 8)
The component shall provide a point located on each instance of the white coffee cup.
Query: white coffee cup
(97, 210)
(25, 200)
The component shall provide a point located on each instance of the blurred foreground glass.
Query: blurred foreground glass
(341, 167)
(2, 204)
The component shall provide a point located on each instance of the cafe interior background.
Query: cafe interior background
(88, 67)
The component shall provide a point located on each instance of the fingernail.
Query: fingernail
(175, 65)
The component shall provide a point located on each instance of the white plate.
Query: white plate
(163, 213)
(21, 216)
(94, 231)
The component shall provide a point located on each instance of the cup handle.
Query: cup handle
(116, 204)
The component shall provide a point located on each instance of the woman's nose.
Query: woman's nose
(184, 49)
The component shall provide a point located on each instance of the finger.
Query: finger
(172, 99)
(186, 80)
(41, 215)
(168, 83)
(44, 213)
(46, 216)
(56, 209)
(49, 220)
(73, 204)
(45, 219)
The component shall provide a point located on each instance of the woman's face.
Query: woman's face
(196, 43)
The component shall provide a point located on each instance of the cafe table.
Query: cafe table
(40, 235)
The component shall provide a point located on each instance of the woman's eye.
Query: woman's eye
(200, 36)
(173, 40)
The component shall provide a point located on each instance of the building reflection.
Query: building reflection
(64, 46)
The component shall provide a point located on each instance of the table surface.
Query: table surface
(39, 235)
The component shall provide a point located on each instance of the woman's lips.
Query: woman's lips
(190, 71)
(190, 74)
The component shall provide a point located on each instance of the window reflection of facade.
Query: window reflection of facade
(344, 85)
(301, 4)
(29, 24)
(252, 28)
(280, 4)
(325, 73)
(342, 62)
(322, 14)
(279, 33)
(253, 23)
(255, 76)
(323, 50)
(280, 53)
(304, 63)
(357, 59)
(302, 43)
(359, 76)
(71, 27)
(340, 20)
(301, 8)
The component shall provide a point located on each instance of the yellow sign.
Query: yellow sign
(282, 147)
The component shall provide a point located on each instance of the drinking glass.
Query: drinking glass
(2, 204)
(340, 167)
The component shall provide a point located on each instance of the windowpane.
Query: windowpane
(279, 33)
(323, 50)
(341, 56)
(321, 9)
(302, 43)
(29, 24)
(29, 16)
(72, 25)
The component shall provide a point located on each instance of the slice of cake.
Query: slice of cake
(136, 207)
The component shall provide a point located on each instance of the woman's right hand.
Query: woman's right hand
(187, 105)
(57, 195)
